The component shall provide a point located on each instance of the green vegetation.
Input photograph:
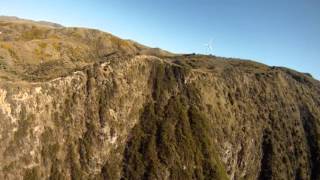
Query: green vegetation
(173, 138)
(3, 64)
(31, 174)
(33, 33)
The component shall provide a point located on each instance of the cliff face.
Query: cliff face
(98, 107)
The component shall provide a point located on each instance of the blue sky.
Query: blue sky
(274, 32)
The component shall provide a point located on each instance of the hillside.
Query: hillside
(79, 103)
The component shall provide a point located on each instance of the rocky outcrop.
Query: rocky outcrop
(151, 115)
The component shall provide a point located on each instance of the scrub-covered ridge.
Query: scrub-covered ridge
(79, 103)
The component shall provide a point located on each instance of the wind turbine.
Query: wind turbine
(209, 47)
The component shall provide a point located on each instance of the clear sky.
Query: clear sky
(274, 32)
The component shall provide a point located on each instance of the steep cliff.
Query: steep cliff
(82, 104)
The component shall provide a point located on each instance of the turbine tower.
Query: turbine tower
(209, 47)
